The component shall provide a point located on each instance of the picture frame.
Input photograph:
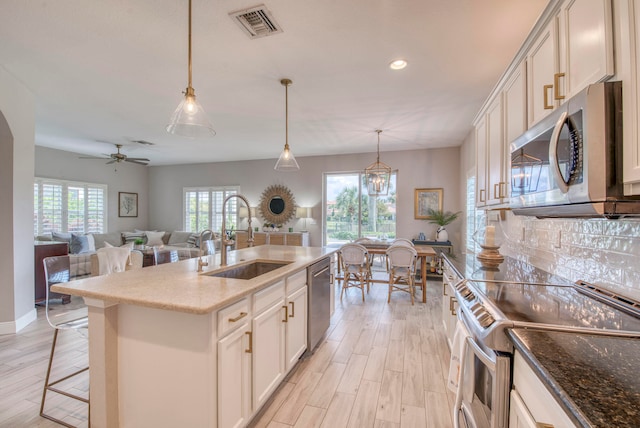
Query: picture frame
(425, 199)
(127, 204)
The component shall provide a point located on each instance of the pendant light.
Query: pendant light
(286, 161)
(189, 119)
(378, 175)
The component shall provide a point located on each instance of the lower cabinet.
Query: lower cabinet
(260, 339)
(532, 405)
(449, 302)
(234, 378)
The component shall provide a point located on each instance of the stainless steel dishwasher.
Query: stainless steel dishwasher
(319, 303)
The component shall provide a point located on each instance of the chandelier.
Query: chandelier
(378, 175)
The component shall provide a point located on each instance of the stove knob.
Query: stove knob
(486, 320)
(470, 296)
(475, 307)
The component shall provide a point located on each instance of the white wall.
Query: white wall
(416, 169)
(17, 129)
(61, 165)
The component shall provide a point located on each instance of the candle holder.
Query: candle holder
(489, 239)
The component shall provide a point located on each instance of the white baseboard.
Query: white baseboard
(12, 327)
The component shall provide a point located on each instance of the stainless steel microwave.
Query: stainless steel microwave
(570, 163)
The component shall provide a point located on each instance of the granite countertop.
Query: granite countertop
(179, 287)
(593, 378)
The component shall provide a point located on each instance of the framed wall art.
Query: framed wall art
(425, 199)
(127, 204)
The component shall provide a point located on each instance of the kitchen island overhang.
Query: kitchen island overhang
(153, 335)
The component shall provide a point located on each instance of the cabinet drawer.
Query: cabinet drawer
(267, 297)
(296, 281)
(233, 316)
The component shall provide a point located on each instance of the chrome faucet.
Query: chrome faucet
(226, 242)
(201, 252)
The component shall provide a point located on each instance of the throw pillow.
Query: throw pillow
(62, 237)
(79, 244)
(193, 239)
(129, 245)
(132, 237)
(178, 237)
(92, 241)
(154, 238)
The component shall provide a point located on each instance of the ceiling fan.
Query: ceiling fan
(118, 157)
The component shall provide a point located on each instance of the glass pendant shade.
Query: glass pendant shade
(286, 161)
(190, 119)
(378, 176)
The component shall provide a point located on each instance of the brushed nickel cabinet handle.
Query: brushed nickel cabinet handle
(546, 88)
(239, 317)
(556, 86)
(452, 301)
(250, 350)
(482, 195)
(286, 313)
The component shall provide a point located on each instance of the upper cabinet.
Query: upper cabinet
(628, 63)
(569, 48)
(574, 50)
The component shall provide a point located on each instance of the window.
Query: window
(65, 206)
(474, 217)
(203, 208)
(350, 213)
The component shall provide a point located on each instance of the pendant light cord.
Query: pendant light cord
(189, 46)
(286, 83)
(378, 158)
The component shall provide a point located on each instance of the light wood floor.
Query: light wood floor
(381, 365)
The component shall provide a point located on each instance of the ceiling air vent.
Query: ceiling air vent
(256, 21)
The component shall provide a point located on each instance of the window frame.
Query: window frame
(214, 211)
(86, 214)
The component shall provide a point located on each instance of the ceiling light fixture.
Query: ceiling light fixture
(189, 119)
(286, 161)
(398, 64)
(378, 175)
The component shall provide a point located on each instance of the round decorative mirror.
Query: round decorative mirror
(277, 204)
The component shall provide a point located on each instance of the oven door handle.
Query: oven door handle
(489, 362)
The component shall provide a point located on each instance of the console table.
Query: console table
(439, 247)
(44, 249)
(298, 239)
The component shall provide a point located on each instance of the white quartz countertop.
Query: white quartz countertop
(179, 287)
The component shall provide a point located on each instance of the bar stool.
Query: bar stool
(63, 317)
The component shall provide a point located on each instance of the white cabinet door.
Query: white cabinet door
(630, 75)
(234, 378)
(514, 105)
(541, 68)
(519, 416)
(481, 163)
(268, 352)
(296, 334)
(586, 45)
(496, 153)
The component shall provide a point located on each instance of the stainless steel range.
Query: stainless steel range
(487, 308)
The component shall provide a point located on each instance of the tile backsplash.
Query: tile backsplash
(599, 251)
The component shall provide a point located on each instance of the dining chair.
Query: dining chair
(402, 269)
(69, 317)
(402, 241)
(355, 265)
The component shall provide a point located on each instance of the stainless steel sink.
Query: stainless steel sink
(249, 270)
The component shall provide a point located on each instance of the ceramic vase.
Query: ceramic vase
(442, 235)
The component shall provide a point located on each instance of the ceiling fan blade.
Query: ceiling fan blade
(138, 159)
(91, 157)
(111, 161)
(132, 160)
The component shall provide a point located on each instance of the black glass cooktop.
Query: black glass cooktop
(558, 305)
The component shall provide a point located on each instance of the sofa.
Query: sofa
(82, 246)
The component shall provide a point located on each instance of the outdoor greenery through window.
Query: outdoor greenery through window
(350, 213)
(203, 208)
(66, 206)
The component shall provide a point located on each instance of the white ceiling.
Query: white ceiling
(106, 72)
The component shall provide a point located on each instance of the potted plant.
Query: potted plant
(442, 218)
(138, 243)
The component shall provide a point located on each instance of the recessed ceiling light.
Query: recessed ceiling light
(398, 64)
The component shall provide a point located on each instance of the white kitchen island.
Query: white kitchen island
(167, 344)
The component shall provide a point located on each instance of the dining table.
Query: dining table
(424, 251)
